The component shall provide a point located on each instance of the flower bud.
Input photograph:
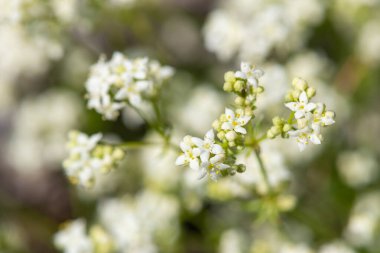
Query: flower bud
(239, 101)
(270, 135)
(238, 86)
(216, 125)
(286, 128)
(229, 77)
(241, 168)
(296, 94)
(299, 83)
(228, 86)
(231, 135)
(259, 89)
(310, 92)
(221, 135)
(248, 111)
(277, 121)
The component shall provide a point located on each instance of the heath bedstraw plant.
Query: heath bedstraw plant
(123, 82)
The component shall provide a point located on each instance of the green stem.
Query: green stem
(262, 169)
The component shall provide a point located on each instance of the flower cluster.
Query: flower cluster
(121, 81)
(87, 158)
(307, 118)
(217, 156)
(276, 26)
(73, 238)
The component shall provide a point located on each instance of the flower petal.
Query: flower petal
(181, 160)
(217, 149)
(292, 106)
(303, 98)
(240, 129)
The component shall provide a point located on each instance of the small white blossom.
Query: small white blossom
(191, 154)
(73, 238)
(235, 121)
(304, 136)
(208, 145)
(249, 73)
(302, 106)
(213, 166)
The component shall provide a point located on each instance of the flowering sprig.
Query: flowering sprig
(87, 158)
(307, 118)
(114, 84)
(217, 156)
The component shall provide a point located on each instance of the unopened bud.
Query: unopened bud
(231, 135)
(229, 77)
(310, 92)
(299, 83)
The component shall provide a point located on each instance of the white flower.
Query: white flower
(302, 107)
(73, 238)
(321, 117)
(235, 121)
(249, 73)
(212, 166)
(304, 136)
(207, 145)
(191, 154)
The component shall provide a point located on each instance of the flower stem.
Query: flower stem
(262, 169)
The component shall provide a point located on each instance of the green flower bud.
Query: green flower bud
(221, 135)
(310, 92)
(248, 111)
(238, 86)
(241, 168)
(270, 135)
(216, 125)
(276, 130)
(228, 87)
(259, 89)
(277, 121)
(229, 77)
(286, 128)
(239, 101)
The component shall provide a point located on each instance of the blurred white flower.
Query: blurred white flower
(364, 220)
(136, 224)
(368, 44)
(211, 103)
(357, 168)
(40, 127)
(253, 29)
(87, 158)
(336, 247)
(231, 241)
(113, 84)
(274, 164)
(223, 34)
(72, 238)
